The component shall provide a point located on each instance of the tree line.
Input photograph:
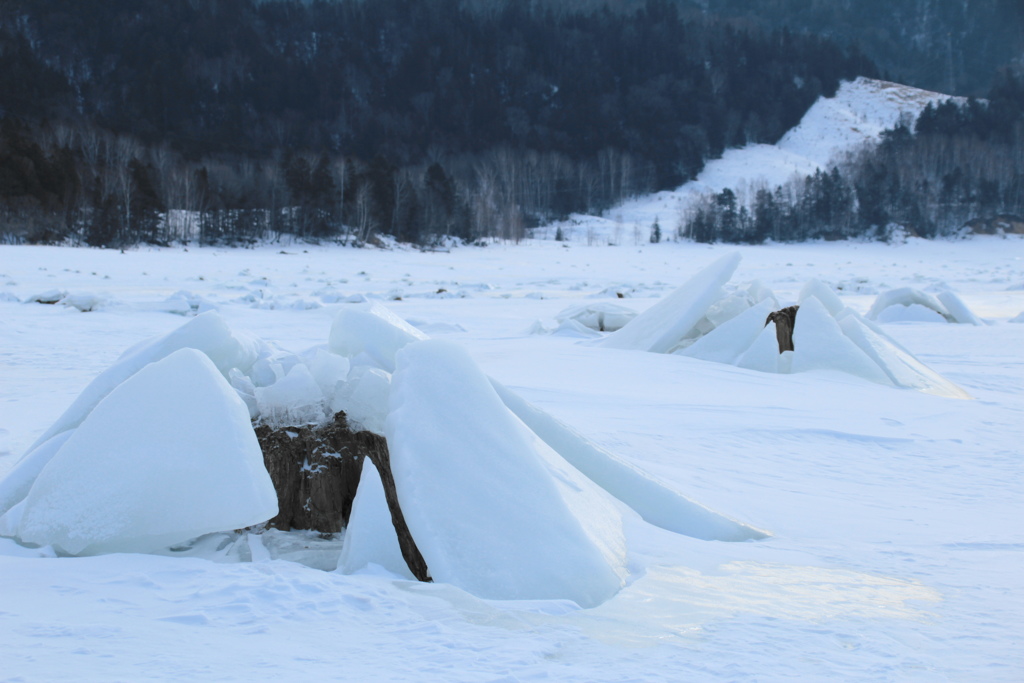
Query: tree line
(228, 121)
(957, 163)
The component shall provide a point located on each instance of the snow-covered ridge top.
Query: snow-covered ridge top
(858, 113)
(833, 127)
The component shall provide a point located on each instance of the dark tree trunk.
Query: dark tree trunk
(316, 470)
(785, 320)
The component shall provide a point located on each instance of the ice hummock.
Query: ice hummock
(166, 456)
(492, 508)
(661, 327)
(907, 304)
(702, 320)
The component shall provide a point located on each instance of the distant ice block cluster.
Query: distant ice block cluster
(703, 319)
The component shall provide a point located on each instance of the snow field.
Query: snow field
(894, 515)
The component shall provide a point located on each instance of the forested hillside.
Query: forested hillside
(951, 46)
(957, 164)
(348, 119)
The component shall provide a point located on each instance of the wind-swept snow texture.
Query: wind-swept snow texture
(492, 508)
(166, 456)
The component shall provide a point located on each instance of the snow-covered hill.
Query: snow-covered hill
(832, 128)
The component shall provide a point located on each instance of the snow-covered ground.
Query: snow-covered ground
(895, 516)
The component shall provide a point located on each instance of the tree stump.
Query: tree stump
(785, 320)
(315, 472)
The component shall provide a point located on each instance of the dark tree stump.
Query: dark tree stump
(315, 472)
(377, 450)
(785, 320)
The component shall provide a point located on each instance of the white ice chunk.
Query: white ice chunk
(492, 508)
(958, 309)
(906, 296)
(819, 344)
(364, 398)
(328, 369)
(727, 308)
(823, 293)
(15, 486)
(295, 399)
(370, 537)
(661, 327)
(246, 390)
(728, 342)
(83, 301)
(50, 296)
(914, 313)
(601, 316)
(206, 332)
(166, 456)
(652, 500)
(575, 329)
(373, 330)
(763, 353)
(902, 368)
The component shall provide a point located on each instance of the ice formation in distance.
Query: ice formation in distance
(907, 304)
(166, 456)
(702, 320)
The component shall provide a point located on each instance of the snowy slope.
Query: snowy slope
(831, 128)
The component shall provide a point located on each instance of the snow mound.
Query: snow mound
(907, 304)
(601, 316)
(492, 508)
(207, 332)
(166, 456)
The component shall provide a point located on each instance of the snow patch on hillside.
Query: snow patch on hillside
(832, 128)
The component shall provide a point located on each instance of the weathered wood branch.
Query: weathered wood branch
(316, 470)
